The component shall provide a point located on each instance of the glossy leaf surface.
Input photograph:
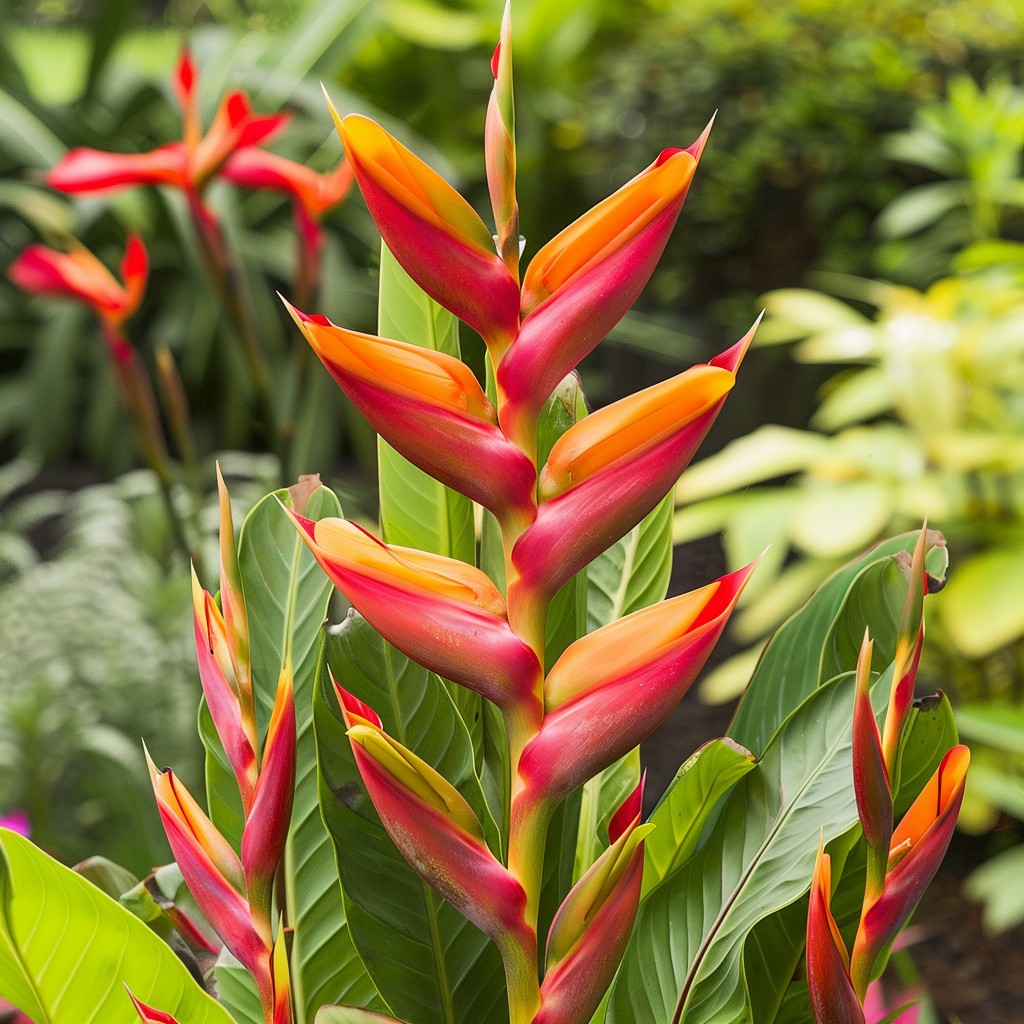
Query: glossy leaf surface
(429, 964)
(67, 950)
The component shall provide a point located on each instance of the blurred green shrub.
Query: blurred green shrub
(807, 92)
(47, 359)
(924, 421)
(95, 616)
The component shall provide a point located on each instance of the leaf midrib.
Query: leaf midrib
(720, 918)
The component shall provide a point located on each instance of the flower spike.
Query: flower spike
(589, 933)
(211, 869)
(433, 232)
(430, 408)
(615, 686)
(609, 470)
(908, 652)
(439, 611)
(78, 274)
(149, 1014)
(918, 845)
(500, 149)
(833, 999)
(579, 285)
(437, 832)
(267, 824)
(870, 778)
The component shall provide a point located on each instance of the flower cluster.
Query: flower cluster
(902, 860)
(609, 689)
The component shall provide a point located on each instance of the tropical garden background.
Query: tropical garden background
(863, 183)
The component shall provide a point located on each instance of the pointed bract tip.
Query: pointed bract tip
(355, 711)
(335, 116)
(696, 148)
(732, 357)
(629, 811)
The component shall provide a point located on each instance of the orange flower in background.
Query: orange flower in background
(79, 275)
(188, 164)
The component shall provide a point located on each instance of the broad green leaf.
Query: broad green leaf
(834, 520)
(996, 725)
(415, 510)
(759, 857)
(766, 453)
(634, 572)
(687, 804)
(429, 964)
(286, 596)
(352, 1015)
(771, 955)
(997, 886)
(789, 669)
(602, 797)
(236, 989)
(813, 311)
(983, 606)
(107, 876)
(67, 950)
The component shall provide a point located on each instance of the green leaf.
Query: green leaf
(766, 453)
(983, 606)
(687, 804)
(415, 510)
(429, 964)
(634, 572)
(67, 950)
(107, 876)
(236, 989)
(757, 860)
(997, 886)
(995, 725)
(791, 665)
(352, 1015)
(286, 596)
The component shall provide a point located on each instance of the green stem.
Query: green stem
(520, 961)
(229, 283)
(139, 402)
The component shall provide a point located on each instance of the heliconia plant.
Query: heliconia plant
(432, 811)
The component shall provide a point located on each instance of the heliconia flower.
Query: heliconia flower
(236, 622)
(591, 928)
(909, 642)
(79, 275)
(441, 612)
(919, 843)
(436, 830)
(313, 194)
(609, 470)
(871, 778)
(833, 999)
(429, 407)
(268, 821)
(500, 149)
(615, 686)
(211, 869)
(149, 1014)
(189, 164)
(433, 232)
(582, 282)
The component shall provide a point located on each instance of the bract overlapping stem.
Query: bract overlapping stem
(600, 479)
